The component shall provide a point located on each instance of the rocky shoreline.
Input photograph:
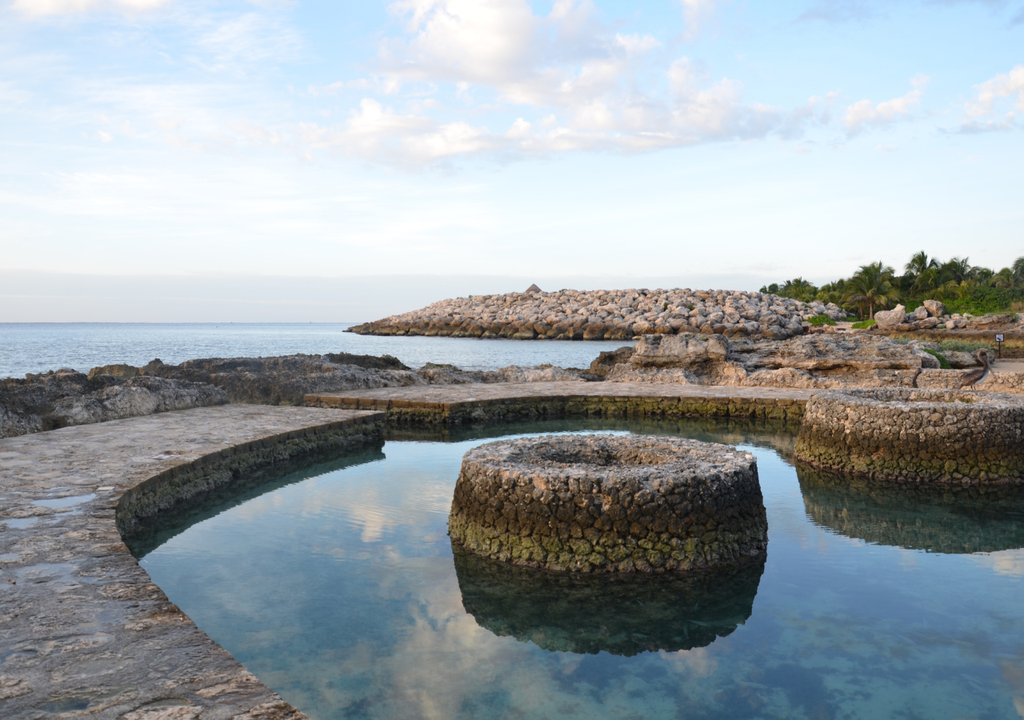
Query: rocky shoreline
(66, 397)
(607, 315)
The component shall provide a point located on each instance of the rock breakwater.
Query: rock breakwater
(606, 315)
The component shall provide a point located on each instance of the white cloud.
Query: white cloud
(865, 114)
(636, 43)
(695, 12)
(991, 91)
(579, 84)
(69, 7)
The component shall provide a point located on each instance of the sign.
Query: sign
(999, 337)
(999, 348)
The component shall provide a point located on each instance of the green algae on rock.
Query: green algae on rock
(602, 503)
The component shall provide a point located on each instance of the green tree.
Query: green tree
(1004, 279)
(1018, 270)
(871, 285)
(798, 289)
(919, 263)
(958, 269)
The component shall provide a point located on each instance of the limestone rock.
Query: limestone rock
(66, 397)
(118, 371)
(889, 318)
(920, 313)
(935, 308)
(811, 361)
(961, 360)
(57, 399)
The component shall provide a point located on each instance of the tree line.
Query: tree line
(963, 287)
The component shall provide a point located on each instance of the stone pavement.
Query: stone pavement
(455, 404)
(83, 630)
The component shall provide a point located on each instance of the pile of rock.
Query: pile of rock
(809, 361)
(607, 315)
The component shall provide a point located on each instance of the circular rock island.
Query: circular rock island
(610, 503)
(910, 435)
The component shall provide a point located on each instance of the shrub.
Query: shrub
(961, 345)
(863, 324)
(943, 362)
(819, 320)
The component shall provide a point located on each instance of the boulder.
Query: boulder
(920, 313)
(889, 318)
(935, 308)
(119, 371)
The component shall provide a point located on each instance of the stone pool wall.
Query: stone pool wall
(606, 503)
(906, 435)
(85, 631)
(240, 466)
(470, 404)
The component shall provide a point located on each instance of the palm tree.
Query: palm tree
(958, 269)
(920, 262)
(798, 289)
(927, 280)
(1018, 269)
(1004, 279)
(871, 285)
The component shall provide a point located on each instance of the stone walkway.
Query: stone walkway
(83, 630)
(454, 404)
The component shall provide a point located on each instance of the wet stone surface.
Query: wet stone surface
(600, 503)
(908, 435)
(83, 630)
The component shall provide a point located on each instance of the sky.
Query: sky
(183, 160)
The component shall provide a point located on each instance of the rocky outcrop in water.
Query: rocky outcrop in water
(606, 315)
(810, 361)
(66, 397)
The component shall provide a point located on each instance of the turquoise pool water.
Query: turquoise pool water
(338, 587)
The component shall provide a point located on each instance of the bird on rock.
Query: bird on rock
(975, 377)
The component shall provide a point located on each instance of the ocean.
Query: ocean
(39, 347)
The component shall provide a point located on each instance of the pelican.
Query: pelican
(975, 377)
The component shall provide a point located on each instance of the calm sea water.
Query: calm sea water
(338, 587)
(38, 347)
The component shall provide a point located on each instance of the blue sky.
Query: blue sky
(691, 142)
